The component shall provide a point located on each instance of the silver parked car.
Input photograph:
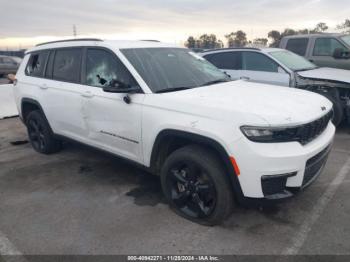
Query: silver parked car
(326, 50)
(9, 65)
(283, 68)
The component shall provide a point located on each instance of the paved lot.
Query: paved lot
(83, 202)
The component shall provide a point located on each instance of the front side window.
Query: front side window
(104, 69)
(292, 61)
(226, 60)
(298, 45)
(326, 46)
(66, 65)
(166, 69)
(36, 64)
(253, 61)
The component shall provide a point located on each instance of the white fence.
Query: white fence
(7, 102)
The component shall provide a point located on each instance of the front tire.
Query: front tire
(196, 185)
(40, 134)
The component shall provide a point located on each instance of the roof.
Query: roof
(230, 48)
(117, 44)
(314, 35)
(264, 49)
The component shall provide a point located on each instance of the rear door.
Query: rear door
(258, 67)
(113, 124)
(62, 93)
(229, 62)
(322, 53)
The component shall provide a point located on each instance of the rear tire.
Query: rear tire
(40, 134)
(196, 185)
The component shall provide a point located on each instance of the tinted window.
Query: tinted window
(226, 60)
(254, 61)
(67, 65)
(36, 64)
(298, 45)
(326, 46)
(104, 69)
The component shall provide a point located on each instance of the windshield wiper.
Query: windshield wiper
(173, 89)
(216, 82)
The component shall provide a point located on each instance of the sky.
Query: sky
(24, 23)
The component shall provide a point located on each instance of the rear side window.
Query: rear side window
(298, 45)
(254, 61)
(36, 64)
(66, 65)
(326, 46)
(226, 60)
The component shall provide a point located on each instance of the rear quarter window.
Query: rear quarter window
(298, 45)
(36, 64)
(67, 64)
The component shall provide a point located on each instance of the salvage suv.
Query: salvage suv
(210, 139)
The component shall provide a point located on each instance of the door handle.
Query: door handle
(87, 94)
(44, 86)
(245, 78)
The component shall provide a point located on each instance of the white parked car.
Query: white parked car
(211, 140)
(284, 68)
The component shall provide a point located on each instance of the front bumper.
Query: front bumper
(292, 165)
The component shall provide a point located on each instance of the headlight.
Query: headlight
(269, 134)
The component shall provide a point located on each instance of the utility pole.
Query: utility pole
(74, 31)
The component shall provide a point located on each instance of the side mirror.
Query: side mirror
(340, 53)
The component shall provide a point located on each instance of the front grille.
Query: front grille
(308, 132)
(315, 165)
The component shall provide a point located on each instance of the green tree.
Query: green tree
(345, 26)
(236, 39)
(320, 28)
(205, 41)
(275, 36)
(260, 41)
(191, 42)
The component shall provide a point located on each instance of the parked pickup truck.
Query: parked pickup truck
(210, 139)
(324, 50)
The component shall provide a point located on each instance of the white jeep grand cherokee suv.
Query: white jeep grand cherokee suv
(211, 140)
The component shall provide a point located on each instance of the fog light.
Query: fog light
(275, 184)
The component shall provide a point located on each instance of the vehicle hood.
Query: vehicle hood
(246, 102)
(326, 73)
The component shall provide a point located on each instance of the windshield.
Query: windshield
(346, 39)
(292, 61)
(172, 69)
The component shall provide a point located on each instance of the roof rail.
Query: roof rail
(70, 40)
(150, 40)
(231, 48)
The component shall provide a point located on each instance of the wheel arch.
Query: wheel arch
(168, 140)
(28, 105)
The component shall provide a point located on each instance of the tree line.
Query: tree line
(239, 38)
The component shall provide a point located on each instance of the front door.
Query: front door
(257, 67)
(322, 53)
(113, 124)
